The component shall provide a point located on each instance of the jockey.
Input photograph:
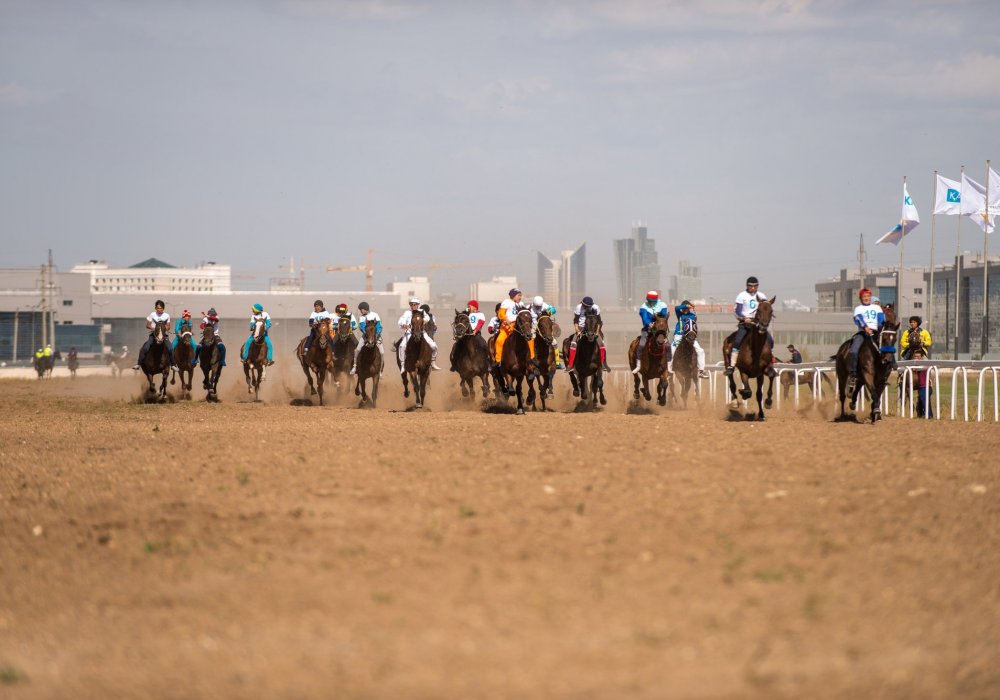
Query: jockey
(366, 316)
(745, 309)
(211, 318)
(48, 350)
(494, 325)
(343, 312)
(868, 317)
(914, 338)
(685, 313)
(539, 308)
(319, 313)
(648, 312)
(404, 322)
(159, 315)
(257, 313)
(585, 308)
(476, 322)
(506, 315)
(185, 319)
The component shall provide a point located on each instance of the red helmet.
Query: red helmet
(186, 314)
(863, 292)
(473, 304)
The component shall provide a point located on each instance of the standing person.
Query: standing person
(653, 307)
(405, 321)
(868, 318)
(585, 308)
(796, 355)
(257, 313)
(366, 316)
(685, 312)
(745, 310)
(915, 337)
(158, 315)
(922, 387)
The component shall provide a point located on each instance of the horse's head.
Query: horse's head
(689, 329)
(208, 335)
(322, 331)
(591, 324)
(343, 327)
(660, 327)
(523, 323)
(765, 313)
(160, 332)
(546, 328)
(258, 330)
(888, 333)
(371, 334)
(461, 326)
(417, 325)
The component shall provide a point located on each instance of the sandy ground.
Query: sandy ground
(268, 550)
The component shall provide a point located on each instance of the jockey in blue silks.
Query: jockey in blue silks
(366, 316)
(185, 320)
(258, 314)
(648, 313)
(687, 319)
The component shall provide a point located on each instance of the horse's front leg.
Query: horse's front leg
(760, 396)
(645, 388)
(520, 396)
(746, 392)
(732, 392)
(599, 388)
(770, 392)
(635, 388)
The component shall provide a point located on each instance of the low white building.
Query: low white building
(154, 276)
(494, 290)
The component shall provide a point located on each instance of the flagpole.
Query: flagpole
(958, 256)
(930, 296)
(986, 266)
(902, 243)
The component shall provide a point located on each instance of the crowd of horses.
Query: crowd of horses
(519, 376)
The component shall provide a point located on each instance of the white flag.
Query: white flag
(907, 222)
(948, 198)
(973, 203)
(994, 196)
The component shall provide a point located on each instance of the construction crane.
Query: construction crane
(369, 270)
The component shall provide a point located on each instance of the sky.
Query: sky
(750, 137)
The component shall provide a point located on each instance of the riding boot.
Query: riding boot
(733, 354)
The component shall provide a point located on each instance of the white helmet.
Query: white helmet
(414, 300)
(538, 301)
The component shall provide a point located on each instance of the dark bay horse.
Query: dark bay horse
(157, 361)
(184, 359)
(418, 360)
(255, 365)
(754, 358)
(318, 359)
(344, 345)
(876, 358)
(652, 362)
(546, 332)
(588, 363)
(210, 359)
(43, 365)
(73, 364)
(515, 361)
(369, 365)
(471, 356)
(685, 362)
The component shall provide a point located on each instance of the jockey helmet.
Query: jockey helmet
(159, 302)
(363, 306)
(587, 301)
(752, 280)
(341, 307)
(318, 302)
(257, 308)
(513, 292)
(473, 304)
(863, 292)
(917, 319)
(414, 300)
(212, 313)
(538, 301)
(186, 314)
(652, 295)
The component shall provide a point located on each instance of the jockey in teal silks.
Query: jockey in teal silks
(185, 320)
(258, 314)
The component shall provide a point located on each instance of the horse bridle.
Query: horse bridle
(522, 322)
(589, 335)
(546, 338)
(461, 327)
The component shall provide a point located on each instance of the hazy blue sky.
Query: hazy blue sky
(751, 137)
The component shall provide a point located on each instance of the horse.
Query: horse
(588, 363)
(255, 364)
(546, 331)
(344, 345)
(652, 363)
(875, 364)
(43, 365)
(806, 376)
(515, 361)
(157, 361)
(210, 359)
(685, 362)
(73, 363)
(754, 358)
(471, 358)
(184, 360)
(369, 365)
(318, 358)
(418, 360)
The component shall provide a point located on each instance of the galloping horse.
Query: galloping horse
(754, 358)
(43, 365)
(118, 363)
(157, 361)
(210, 359)
(876, 358)
(319, 357)
(471, 356)
(685, 363)
(418, 360)
(588, 363)
(73, 363)
(255, 364)
(515, 361)
(653, 361)
(369, 365)
(546, 331)
(806, 376)
(344, 345)
(184, 359)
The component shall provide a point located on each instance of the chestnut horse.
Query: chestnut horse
(255, 365)
(319, 357)
(876, 358)
(754, 358)
(344, 345)
(653, 360)
(546, 332)
(369, 364)
(515, 361)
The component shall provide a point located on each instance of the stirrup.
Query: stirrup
(703, 374)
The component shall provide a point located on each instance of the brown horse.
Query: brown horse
(876, 358)
(546, 332)
(685, 362)
(469, 356)
(587, 362)
(318, 358)
(806, 376)
(417, 370)
(210, 358)
(652, 362)
(255, 364)
(157, 361)
(754, 358)
(72, 363)
(369, 365)
(344, 345)
(516, 362)
(184, 360)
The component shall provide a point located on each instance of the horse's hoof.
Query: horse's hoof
(519, 412)
(760, 418)
(745, 394)
(576, 392)
(661, 402)
(604, 401)
(767, 403)
(853, 405)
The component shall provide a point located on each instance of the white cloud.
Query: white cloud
(509, 96)
(13, 93)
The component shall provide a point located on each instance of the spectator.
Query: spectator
(921, 386)
(796, 355)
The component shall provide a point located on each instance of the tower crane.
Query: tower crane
(369, 270)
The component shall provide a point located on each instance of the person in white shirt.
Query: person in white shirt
(585, 308)
(745, 309)
(319, 314)
(366, 316)
(404, 323)
(159, 315)
(868, 318)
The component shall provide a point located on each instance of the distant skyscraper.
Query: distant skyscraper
(637, 267)
(563, 280)
(687, 283)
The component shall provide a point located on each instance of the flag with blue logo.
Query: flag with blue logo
(948, 200)
(907, 222)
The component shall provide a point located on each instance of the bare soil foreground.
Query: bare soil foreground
(243, 550)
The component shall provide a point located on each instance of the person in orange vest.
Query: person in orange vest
(507, 314)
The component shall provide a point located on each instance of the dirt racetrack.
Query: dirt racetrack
(267, 550)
